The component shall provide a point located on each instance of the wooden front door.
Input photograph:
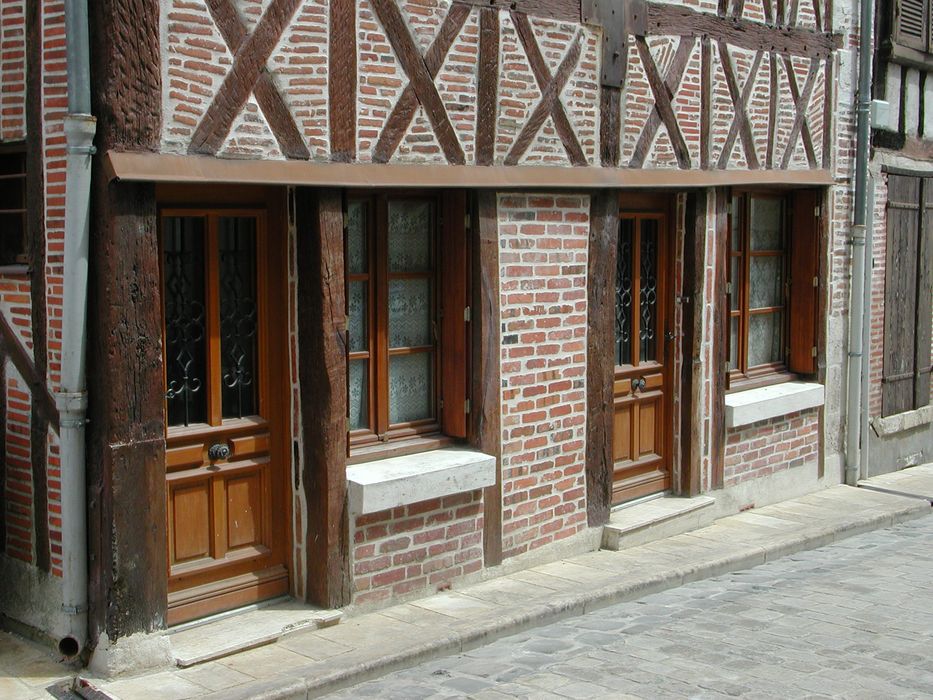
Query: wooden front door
(642, 386)
(225, 466)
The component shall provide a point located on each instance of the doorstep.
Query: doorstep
(247, 628)
(914, 481)
(656, 519)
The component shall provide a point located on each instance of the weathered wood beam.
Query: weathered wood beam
(828, 110)
(562, 10)
(126, 444)
(12, 348)
(665, 20)
(322, 371)
(488, 86)
(248, 75)
(404, 110)
(486, 433)
(420, 77)
(610, 126)
(663, 110)
(342, 88)
(691, 372)
(773, 98)
(600, 353)
(551, 86)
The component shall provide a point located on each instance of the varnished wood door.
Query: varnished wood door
(225, 467)
(642, 384)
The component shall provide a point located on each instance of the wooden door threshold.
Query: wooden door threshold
(656, 519)
(252, 626)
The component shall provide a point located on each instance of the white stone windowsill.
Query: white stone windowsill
(753, 405)
(900, 422)
(401, 481)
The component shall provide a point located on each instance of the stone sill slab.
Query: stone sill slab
(753, 405)
(401, 481)
(311, 663)
(901, 422)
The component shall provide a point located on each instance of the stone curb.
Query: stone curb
(296, 683)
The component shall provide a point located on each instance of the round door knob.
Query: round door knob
(219, 451)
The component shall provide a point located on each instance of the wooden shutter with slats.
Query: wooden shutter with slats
(911, 23)
(803, 304)
(924, 298)
(454, 299)
(900, 294)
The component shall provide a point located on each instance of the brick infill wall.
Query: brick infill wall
(771, 446)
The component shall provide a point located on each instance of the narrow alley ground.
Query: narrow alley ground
(852, 620)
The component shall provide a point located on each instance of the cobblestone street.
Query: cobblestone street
(853, 620)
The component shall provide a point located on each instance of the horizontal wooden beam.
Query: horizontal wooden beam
(152, 167)
(563, 10)
(665, 19)
(12, 348)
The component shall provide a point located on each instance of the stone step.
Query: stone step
(916, 482)
(656, 519)
(230, 633)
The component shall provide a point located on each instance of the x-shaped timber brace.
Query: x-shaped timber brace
(619, 19)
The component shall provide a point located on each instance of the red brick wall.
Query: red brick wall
(543, 243)
(770, 446)
(422, 547)
(12, 70)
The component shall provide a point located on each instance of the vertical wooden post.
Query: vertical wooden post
(322, 371)
(691, 371)
(600, 353)
(486, 364)
(720, 329)
(610, 126)
(342, 83)
(126, 443)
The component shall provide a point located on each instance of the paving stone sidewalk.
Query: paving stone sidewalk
(850, 620)
(363, 647)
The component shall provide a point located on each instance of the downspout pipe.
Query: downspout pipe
(857, 301)
(80, 128)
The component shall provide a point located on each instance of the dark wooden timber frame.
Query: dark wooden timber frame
(717, 448)
(691, 371)
(600, 353)
(342, 84)
(322, 371)
(126, 444)
(486, 362)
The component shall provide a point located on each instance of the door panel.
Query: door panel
(642, 389)
(225, 471)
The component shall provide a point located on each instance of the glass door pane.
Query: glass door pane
(186, 381)
(623, 320)
(239, 316)
(648, 291)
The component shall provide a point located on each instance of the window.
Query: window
(908, 294)
(773, 279)
(12, 205)
(406, 269)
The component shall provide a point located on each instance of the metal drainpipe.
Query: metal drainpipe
(80, 128)
(857, 300)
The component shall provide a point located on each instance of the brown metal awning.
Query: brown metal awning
(154, 167)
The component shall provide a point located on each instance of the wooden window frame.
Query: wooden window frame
(16, 150)
(743, 376)
(384, 439)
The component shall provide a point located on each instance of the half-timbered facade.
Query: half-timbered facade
(901, 283)
(385, 294)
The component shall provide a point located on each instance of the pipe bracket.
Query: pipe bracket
(74, 609)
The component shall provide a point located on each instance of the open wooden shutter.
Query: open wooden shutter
(454, 266)
(911, 23)
(924, 298)
(803, 305)
(900, 294)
